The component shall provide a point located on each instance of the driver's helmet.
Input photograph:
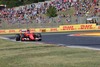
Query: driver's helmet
(28, 31)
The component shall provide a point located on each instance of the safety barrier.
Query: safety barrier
(62, 28)
(9, 31)
(77, 27)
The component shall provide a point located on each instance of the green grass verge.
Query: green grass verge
(16, 54)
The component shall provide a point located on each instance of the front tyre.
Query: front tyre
(17, 37)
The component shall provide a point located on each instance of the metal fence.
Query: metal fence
(47, 23)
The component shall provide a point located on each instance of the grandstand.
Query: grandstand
(70, 15)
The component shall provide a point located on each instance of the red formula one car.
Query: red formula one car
(27, 36)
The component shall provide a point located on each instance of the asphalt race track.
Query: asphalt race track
(66, 40)
(69, 40)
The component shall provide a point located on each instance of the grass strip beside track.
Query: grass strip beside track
(17, 54)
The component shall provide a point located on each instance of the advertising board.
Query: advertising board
(77, 27)
(61, 28)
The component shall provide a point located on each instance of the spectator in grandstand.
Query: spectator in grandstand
(30, 12)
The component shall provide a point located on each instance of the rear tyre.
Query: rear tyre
(17, 37)
(38, 35)
(40, 40)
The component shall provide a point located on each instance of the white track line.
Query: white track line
(85, 47)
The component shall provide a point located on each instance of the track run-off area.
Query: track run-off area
(87, 40)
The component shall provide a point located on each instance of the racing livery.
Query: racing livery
(28, 36)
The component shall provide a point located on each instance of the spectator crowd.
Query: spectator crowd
(34, 11)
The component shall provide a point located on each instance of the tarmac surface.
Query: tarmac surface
(80, 40)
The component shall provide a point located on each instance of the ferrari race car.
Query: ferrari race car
(28, 37)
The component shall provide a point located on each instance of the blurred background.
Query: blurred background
(16, 14)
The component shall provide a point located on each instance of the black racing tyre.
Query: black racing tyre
(38, 35)
(40, 40)
(17, 37)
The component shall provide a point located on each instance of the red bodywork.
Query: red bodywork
(27, 35)
(30, 35)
